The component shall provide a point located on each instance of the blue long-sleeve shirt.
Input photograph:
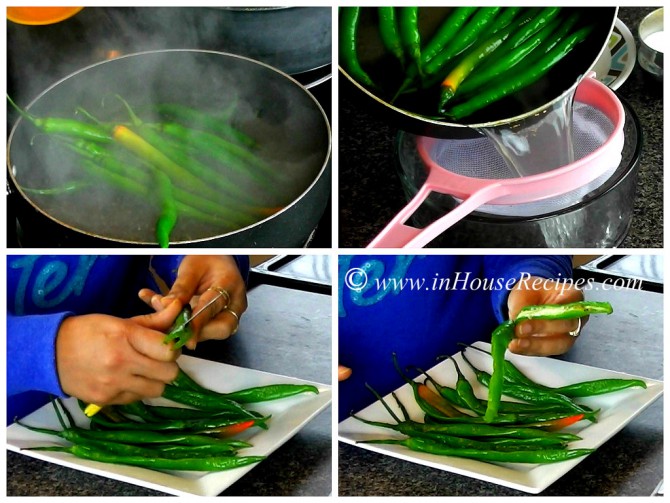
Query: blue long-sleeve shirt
(420, 307)
(43, 290)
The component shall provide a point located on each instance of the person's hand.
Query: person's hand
(542, 337)
(106, 360)
(343, 373)
(198, 280)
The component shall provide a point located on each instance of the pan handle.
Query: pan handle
(398, 235)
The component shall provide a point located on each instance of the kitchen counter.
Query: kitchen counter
(370, 193)
(284, 332)
(629, 464)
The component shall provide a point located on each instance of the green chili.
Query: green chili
(140, 410)
(545, 17)
(389, 32)
(532, 394)
(505, 408)
(410, 429)
(204, 401)
(134, 187)
(563, 311)
(180, 332)
(446, 32)
(504, 19)
(465, 390)
(520, 78)
(426, 399)
(512, 373)
(183, 380)
(140, 147)
(510, 59)
(465, 429)
(410, 35)
(192, 117)
(576, 390)
(63, 126)
(437, 43)
(170, 452)
(598, 387)
(177, 152)
(162, 437)
(471, 60)
(167, 220)
(269, 392)
(467, 36)
(186, 425)
(432, 447)
(233, 156)
(500, 339)
(254, 394)
(157, 463)
(469, 429)
(349, 20)
(163, 412)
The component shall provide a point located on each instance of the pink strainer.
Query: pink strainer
(464, 181)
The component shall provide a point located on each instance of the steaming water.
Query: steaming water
(290, 131)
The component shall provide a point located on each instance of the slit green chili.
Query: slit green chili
(569, 311)
(500, 339)
(180, 332)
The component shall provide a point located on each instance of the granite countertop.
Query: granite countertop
(628, 464)
(285, 332)
(370, 192)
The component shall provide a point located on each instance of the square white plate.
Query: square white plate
(616, 411)
(289, 415)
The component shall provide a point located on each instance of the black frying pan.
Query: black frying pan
(292, 129)
(409, 113)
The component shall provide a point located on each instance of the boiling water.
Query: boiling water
(538, 143)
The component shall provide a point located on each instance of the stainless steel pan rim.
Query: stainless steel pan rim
(317, 177)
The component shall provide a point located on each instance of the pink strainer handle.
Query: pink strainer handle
(399, 235)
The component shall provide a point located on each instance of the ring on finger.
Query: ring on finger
(575, 332)
(223, 293)
(237, 319)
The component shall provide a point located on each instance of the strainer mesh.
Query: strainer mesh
(479, 158)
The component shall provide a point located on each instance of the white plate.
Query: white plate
(288, 417)
(616, 410)
(617, 61)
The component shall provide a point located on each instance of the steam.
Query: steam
(291, 133)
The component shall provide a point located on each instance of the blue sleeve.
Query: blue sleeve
(165, 267)
(242, 262)
(31, 356)
(512, 268)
